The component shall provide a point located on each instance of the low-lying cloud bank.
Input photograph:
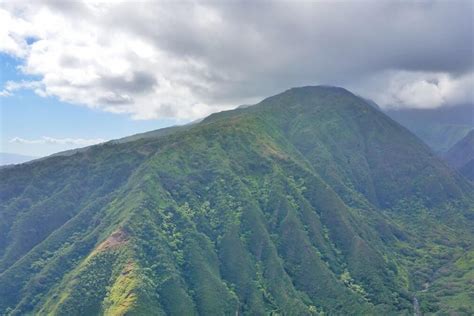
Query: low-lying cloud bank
(187, 59)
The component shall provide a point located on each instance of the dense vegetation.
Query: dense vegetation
(311, 202)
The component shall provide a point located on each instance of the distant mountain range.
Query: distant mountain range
(461, 155)
(440, 128)
(311, 202)
(8, 159)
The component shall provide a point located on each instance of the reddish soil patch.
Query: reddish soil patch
(116, 239)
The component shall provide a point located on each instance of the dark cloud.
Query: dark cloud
(137, 82)
(206, 54)
(114, 99)
(69, 61)
(269, 46)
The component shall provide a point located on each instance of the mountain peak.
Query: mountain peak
(297, 99)
(318, 88)
(315, 91)
(311, 200)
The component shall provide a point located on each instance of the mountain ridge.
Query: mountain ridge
(311, 201)
(461, 155)
(440, 128)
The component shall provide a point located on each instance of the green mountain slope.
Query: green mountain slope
(440, 128)
(461, 156)
(309, 202)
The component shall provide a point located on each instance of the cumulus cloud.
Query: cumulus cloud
(11, 86)
(398, 89)
(58, 141)
(188, 59)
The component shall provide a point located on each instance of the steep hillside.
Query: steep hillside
(461, 156)
(440, 128)
(309, 202)
(468, 170)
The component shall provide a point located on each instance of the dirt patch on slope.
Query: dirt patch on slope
(117, 238)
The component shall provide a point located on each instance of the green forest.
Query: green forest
(311, 202)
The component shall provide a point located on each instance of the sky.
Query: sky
(78, 73)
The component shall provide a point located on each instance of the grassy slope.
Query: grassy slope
(276, 207)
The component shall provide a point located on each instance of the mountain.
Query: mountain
(440, 128)
(311, 202)
(461, 156)
(151, 134)
(9, 159)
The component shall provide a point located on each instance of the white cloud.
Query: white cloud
(184, 60)
(81, 61)
(394, 89)
(11, 86)
(14, 32)
(58, 141)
